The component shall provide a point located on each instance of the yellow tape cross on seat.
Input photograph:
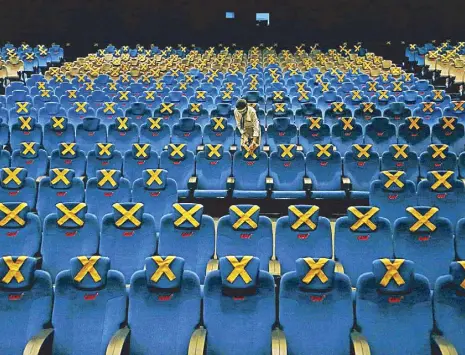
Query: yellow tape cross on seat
(239, 269)
(88, 267)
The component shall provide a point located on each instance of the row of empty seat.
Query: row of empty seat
(393, 308)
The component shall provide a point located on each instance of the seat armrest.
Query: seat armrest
(463, 180)
(116, 345)
(346, 183)
(278, 342)
(443, 345)
(274, 267)
(212, 265)
(192, 183)
(266, 148)
(39, 178)
(230, 182)
(299, 148)
(308, 184)
(339, 268)
(200, 148)
(233, 149)
(269, 183)
(197, 342)
(37, 342)
(359, 344)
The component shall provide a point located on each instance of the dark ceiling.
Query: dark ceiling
(83, 22)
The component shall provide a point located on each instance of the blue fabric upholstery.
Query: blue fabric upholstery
(138, 113)
(448, 305)
(287, 168)
(401, 158)
(137, 159)
(69, 156)
(455, 109)
(16, 186)
(219, 131)
(281, 131)
(89, 133)
(346, 132)
(235, 237)
(79, 111)
(181, 164)
(448, 196)
(335, 110)
(416, 134)
(30, 157)
(157, 195)
(314, 131)
(123, 134)
(307, 308)
(357, 246)
(194, 242)
(4, 158)
(429, 111)
(307, 110)
(198, 113)
(397, 112)
(168, 112)
(451, 132)
(437, 157)
(25, 307)
(324, 168)
(392, 197)
(128, 243)
(156, 133)
(97, 307)
(187, 132)
(361, 169)
(103, 156)
(250, 170)
(63, 238)
(49, 110)
(381, 134)
(55, 189)
(25, 129)
(296, 239)
(440, 98)
(107, 188)
(386, 318)
(22, 236)
(253, 316)
(109, 112)
(97, 98)
(460, 239)
(431, 246)
(173, 313)
(365, 113)
(57, 131)
(213, 167)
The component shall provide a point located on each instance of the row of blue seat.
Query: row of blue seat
(214, 173)
(392, 299)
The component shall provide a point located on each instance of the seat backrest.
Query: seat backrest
(361, 165)
(190, 234)
(388, 301)
(59, 186)
(123, 133)
(128, 236)
(163, 294)
(449, 131)
(324, 167)
(424, 235)
(30, 157)
(156, 133)
(187, 132)
(437, 157)
(21, 228)
(180, 162)
(381, 133)
(137, 159)
(365, 113)
(244, 231)
(429, 112)
(104, 156)
(346, 132)
(79, 111)
(69, 156)
(281, 131)
(26, 300)
(448, 304)
(302, 232)
(57, 131)
(360, 237)
(94, 296)
(415, 133)
(314, 131)
(287, 168)
(392, 193)
(443, 190)
(250, 168)
(241, 286)
(16, 186)
(68, 232)
(89, 133)
(25, 130)
(107, 188)
(397, 113)
(213, 167)
(219, 131)
(313, 296)
(400, 158)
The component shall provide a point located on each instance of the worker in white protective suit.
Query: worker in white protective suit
(248, 124)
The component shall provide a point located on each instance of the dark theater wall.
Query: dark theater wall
(83, 22)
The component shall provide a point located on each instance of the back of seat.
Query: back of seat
(181, 164)
(104, 156)
(16, 186)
